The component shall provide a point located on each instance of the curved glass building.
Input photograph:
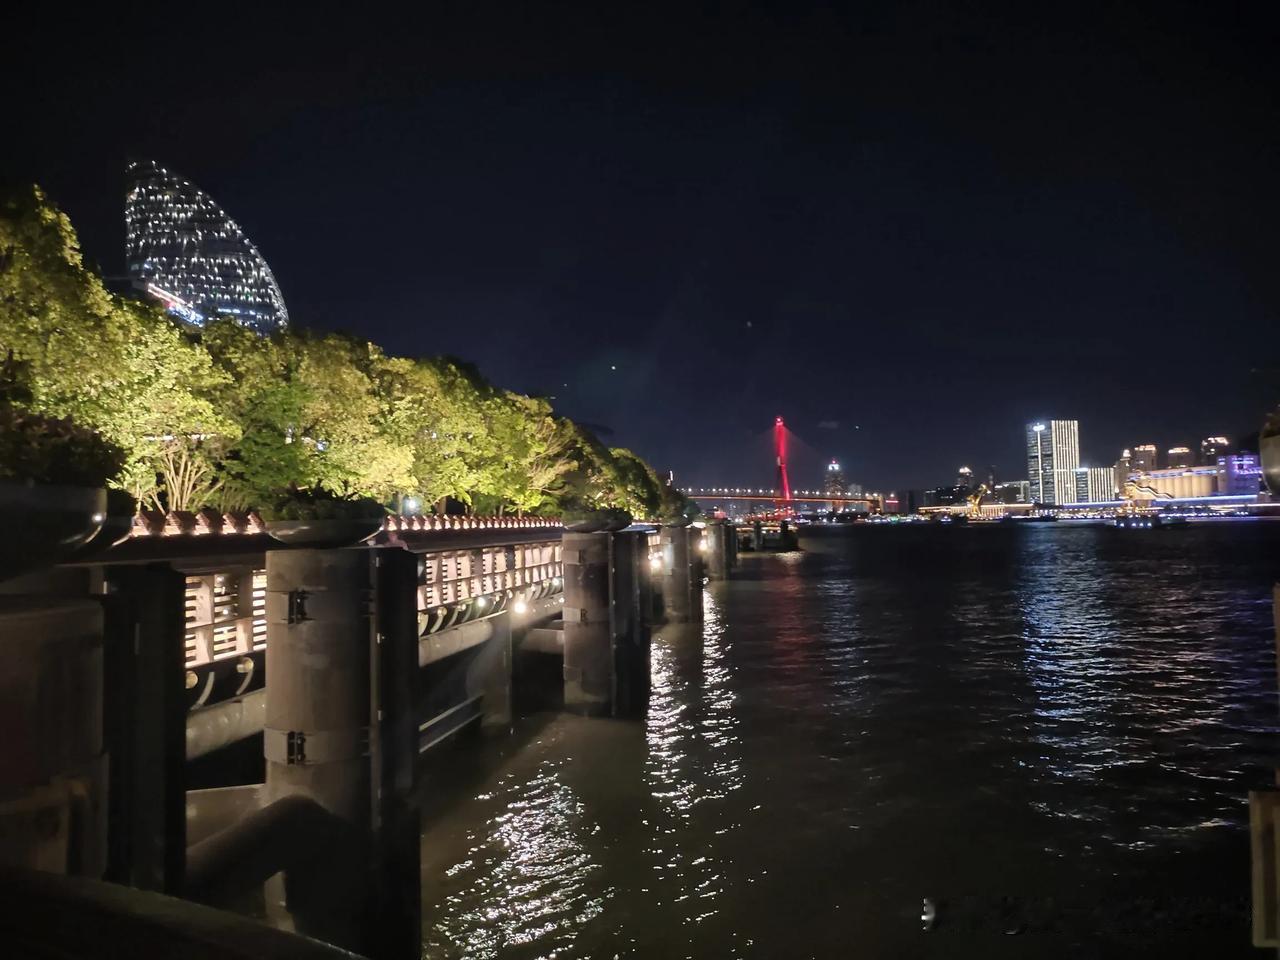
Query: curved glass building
(186, 252)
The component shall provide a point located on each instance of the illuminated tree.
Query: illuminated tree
(220, 415)
(639, 491)
(114, 365)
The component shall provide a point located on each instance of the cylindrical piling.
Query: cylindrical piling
(316, 740)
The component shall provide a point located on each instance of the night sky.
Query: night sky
(907, 229)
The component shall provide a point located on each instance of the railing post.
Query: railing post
(677, 601)
(588, 657)
(146, 726)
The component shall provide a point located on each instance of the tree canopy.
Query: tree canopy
(220, 416)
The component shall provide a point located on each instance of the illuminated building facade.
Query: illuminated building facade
(184, 251)
(1095, 484)
(1180, 457)
(833, 484)
(1053, 454)
(1144, 458)
(1211, 448)
(1012, 491)
(1120, 472)
(1175, 484)
(1240, 474)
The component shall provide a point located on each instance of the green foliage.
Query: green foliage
(224, 417)
(47, 450)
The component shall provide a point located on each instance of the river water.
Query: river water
(1048, 731)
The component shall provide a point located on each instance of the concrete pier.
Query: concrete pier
(697, 570)
(316, 739)
(677, 601)
(629, 629)
(588, 654)
(717, 552)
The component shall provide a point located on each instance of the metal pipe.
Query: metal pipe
(223, 724)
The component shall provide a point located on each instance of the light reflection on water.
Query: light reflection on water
(1071, 717)
(525, 877)
(691, 733)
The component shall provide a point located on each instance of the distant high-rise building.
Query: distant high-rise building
(1144, 458)
(833, 484)
(184, 251)
(1012, 491)
(1211, 448)
(964, 477)
(1053, 454)
(945, 496)
(1120, 472)
(1180, 457)
(1095, 484)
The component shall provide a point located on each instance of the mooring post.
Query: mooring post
(731, 543)
(677, 601)
(716, 538)
(318, 687)
(757, 536)
(319, 720)
(588, 654)
(145, 714)
(630, 636)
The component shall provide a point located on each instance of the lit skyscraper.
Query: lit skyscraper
(1144, 458)
(834, 483)
(1120, 472)
(1095, 484)
(1180, 457)
(1053, 454)
(183, 250)
(1211, 448)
